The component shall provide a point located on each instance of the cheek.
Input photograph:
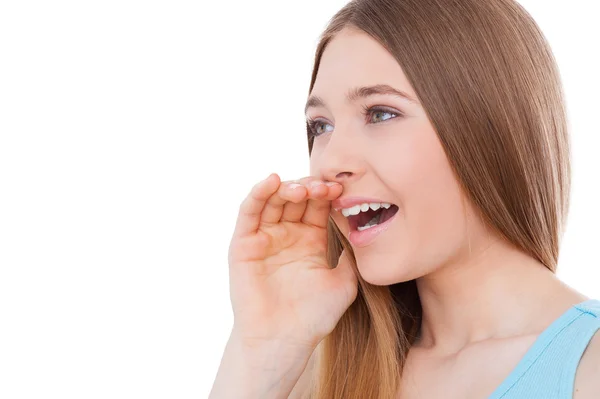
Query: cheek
(438, 222)
(312, 165)
(434, 209)
(315, 160)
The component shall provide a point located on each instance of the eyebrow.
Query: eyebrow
(362, 92)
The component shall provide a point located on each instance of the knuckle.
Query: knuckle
(244, 206)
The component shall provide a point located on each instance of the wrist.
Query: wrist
(265, 368)
(289, 343)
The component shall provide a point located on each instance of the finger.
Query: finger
(293, 212)
(251, 208)
(287, 192)
(318, 209)
(304, 180)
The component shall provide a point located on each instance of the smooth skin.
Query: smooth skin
(278, 270)
(484, 301)
(285, 297)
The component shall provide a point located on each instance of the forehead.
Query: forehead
(352, 58)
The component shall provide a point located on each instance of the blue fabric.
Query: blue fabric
(547, 371)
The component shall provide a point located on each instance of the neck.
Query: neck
(498, 292)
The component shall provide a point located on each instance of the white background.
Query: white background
(130, 131)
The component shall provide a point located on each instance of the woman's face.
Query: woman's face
(389, 154)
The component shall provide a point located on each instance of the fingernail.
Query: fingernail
(330, 183)
(294, 185)
(315, 183)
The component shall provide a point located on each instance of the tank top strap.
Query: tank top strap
(579, 337)
(548, 368)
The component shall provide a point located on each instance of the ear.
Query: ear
(587, 378)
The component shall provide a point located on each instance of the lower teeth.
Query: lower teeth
(371, 223)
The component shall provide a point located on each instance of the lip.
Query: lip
(366, 237)
(348, 202)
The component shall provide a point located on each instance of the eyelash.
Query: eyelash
(367, 111)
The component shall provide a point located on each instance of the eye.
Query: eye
(317, 127)
(379, 114)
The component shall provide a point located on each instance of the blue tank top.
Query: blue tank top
(547, 371)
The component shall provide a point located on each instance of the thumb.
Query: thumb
(344, 270)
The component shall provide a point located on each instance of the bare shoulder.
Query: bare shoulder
(587, 378)
(302, 387)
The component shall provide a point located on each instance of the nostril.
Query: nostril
(343, 174)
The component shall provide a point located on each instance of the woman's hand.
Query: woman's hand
(282, 289)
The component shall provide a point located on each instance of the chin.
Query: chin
(382, 273)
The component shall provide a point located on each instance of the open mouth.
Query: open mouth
(371, 216)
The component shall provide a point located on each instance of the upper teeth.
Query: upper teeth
(356, 209)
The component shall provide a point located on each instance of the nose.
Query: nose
(339, 158)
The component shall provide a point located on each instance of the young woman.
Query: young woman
(418, 259)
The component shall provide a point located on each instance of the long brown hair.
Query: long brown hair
(488, 81)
